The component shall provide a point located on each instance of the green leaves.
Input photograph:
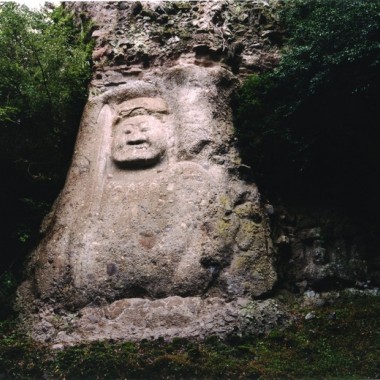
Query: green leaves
(45, 62)
(44, 71)
(314, 119)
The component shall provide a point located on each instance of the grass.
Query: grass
(342, 342)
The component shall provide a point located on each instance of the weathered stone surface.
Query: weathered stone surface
(242, 36)
(171, 317)
(154, 234)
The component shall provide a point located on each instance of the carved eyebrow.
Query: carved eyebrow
(134, 112)
(122, 115)
(137, 112)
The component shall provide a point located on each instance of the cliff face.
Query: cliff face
(316, 248)
(156, 234)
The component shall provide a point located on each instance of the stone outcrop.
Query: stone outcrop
(155, 234)
(132, 37)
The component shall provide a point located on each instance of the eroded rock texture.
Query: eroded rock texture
(155, 235)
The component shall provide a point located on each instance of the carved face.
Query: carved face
(139, 141)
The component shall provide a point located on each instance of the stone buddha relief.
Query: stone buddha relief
(152, 208)
(153, 234)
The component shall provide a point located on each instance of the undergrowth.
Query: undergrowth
(341, 341)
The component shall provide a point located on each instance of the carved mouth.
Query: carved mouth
(138, 144)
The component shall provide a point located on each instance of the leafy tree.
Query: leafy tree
(44, 69)
(312, 124)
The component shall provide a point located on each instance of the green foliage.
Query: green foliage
(313, 121)
(44, 65)
(44, 70)
(342, 341)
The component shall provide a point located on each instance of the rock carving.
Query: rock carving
(154, 234)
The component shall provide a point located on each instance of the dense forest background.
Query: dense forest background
(310, 127)
(44, 69)
(309, 130)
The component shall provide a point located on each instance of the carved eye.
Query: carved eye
(144, 129)
(128, 132)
